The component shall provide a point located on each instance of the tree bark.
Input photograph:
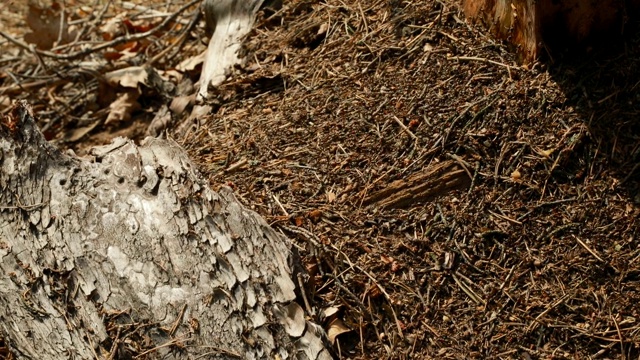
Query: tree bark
(431, 182)
(131, 253)
(230, 21)
(536, 27)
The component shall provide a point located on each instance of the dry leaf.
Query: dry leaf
(323, 29)
(113, 27)
(315, 215)
(129, 77)
(180, 103)
(336, 327)
(124, 53)
(331, 196)
(122, 108)
(78, 133)
(386, 259)
(171, 75)
(330, 311)
(49, 26)
(546, 153)
(395, 266)
(191, 63)
(5, 102)
(137, 26)
(292, 318)
(374, 291)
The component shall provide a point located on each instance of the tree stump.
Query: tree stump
(131, 253)
(535, 26)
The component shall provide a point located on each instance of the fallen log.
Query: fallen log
(130, 253)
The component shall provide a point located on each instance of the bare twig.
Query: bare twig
(405, 128)
(474, 58)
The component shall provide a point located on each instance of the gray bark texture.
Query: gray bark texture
(130, 253)
(230, 21)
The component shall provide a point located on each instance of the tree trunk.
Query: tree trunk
(131, 253)
(535, 26)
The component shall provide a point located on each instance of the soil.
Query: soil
(516, 233)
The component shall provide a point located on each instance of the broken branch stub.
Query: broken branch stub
(133, 253)
(230, 21)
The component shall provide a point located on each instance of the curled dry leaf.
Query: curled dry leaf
(336, 327)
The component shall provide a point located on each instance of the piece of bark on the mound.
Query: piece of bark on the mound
(431, 182)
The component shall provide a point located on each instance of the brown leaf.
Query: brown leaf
(315, 215)
(386, 259)
(78, 133)
(336, 327)
(191, 63)
(138, 26)
(48, 26)
(374, 291)
(112, 27)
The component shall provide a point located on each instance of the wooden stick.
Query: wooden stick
(405, 128)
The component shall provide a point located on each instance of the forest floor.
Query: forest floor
(447, 202)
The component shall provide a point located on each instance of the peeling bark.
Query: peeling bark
(132, 253)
